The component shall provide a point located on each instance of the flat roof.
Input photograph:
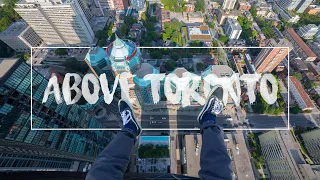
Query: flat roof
(16, 28)
(145, 69)
(193, 158)
(305, 97)
(199, 32)
(301, 43)
(6, 64)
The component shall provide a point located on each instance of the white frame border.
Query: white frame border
(164, 129)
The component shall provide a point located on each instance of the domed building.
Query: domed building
(123, 56)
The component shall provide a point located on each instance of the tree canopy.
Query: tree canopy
(8, 14)
(61, 51)
(174, 5)
(153, 151)
(175, 56)
(74, 64)
(223, 38)
(199, 6)
(172, 31)
(170, 65)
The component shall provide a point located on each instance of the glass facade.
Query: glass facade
(15, 119)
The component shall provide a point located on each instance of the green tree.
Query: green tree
(153, 19)
(4, 23)
(175, 56)
(129, 20)
(295, 110)
(156, 55)
(199, 6)
(75, 65)
(297, 75)
(200, 66)
(124, 29)
(223, 39)
(170, 65)
(253, 11)
(61, 51)
(150, 26)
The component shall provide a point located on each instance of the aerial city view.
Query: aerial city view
(67, 65)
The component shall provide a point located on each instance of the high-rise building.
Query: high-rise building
(137, 4)
(26, 149)
(123, 56)
(299, 94)
(105, 4)
(228, 4)
(278, 150)
(312, 144)
(20, 37)
(233, 29)
(269, 58)
(58, 22)
(299, 5)
(308, 31)
(300, 47)
(303, 5)
(288, 4)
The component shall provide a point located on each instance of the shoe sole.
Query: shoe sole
(207, 103)
(135, 119)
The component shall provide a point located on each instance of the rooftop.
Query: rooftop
(234, 23)
(301, 43)
(219, 70)
(305, 97)
(6, 64)
(199, 32)
(15, 29)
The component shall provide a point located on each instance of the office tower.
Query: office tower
(20, 37)
(228, 4)
(303, 5)
(58, 22)
(105, 4)
(298, 5)
(288, 4)
(137, 4)
(300, 47)
(269, 58)
(308, 31)
(278, 149)
(312, 143)
(46, 150)
(233, 29)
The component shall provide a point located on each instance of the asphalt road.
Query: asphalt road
(256, 121)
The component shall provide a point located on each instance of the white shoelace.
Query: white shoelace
(217, 106)
(126, 116)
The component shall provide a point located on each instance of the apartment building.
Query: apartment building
(298, 5)
(300, 47)
(312, 143)
(278, 149)
(308, 31)
(223, 15)
(244, 5)
(228, 4)
(233, 29)
(269, 58)
(58, 22)
(299, 94)
(20, 37)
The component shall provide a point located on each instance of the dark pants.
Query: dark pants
(215, 162)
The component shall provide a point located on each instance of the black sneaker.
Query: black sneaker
(129, 120)
(214, 104)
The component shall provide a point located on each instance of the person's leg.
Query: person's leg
(215, 162)
(214, 159)
(112, 162)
